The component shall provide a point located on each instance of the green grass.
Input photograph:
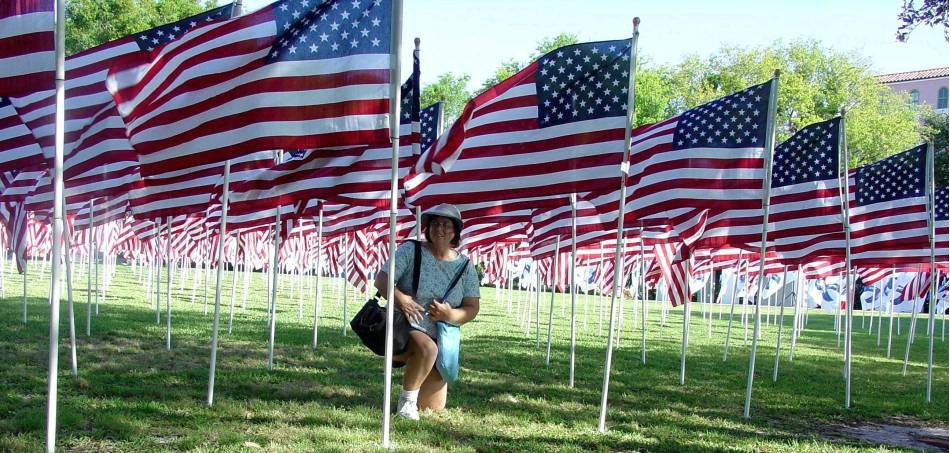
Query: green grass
(133, 395)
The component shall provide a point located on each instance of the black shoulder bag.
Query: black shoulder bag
(370, 322)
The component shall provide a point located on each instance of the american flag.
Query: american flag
(701, 172)
(18, 148)
(27, 49)
(557, 126)
(889, 211)
(98, 158)
(675, 272)
(805, 216)
(941, 225)
(356, 176)
(917, 288)
(288, 76)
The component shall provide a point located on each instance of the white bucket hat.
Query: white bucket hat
(443, 210)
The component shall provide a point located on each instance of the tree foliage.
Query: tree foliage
(512, 66)
(935, 131)
(90, 23)
(815, 84)
(450, 90)
(930, 13)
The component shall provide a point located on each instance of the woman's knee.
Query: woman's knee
(424, 345)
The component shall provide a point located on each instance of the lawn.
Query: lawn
(132, 394)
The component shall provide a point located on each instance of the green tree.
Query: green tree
(449, 89)
(816, 83)
(90, 23)
(512, 66)
(929, 12)
(935, 131)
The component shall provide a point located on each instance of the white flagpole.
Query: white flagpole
(58, 196)
(222, 231)
(624, 171)
(732, 308)
(89, 272)
(890, 309)
(158, 270)
(67, 243)
(766, 190)
(573, 201)
(685, 337)
(781, 321)
(849, 283)
(394, 114)
(932, 292)
(168, 285)
(234, 276)
(318, 298)
(554, 272)
(275, 270)
(643, 303)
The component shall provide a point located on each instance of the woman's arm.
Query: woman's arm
(402, 300)
(466, 312)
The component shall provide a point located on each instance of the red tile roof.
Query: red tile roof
(914, 75)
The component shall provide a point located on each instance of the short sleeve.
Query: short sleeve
(470, 286)
(404, 256)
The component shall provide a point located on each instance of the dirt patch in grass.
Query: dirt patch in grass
(899, 432)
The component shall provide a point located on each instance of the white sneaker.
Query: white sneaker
(405, 409)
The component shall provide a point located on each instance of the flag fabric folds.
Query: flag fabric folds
(557, 126)
(286, 76)
(27, 51)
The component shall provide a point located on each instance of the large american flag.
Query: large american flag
(288, 76)
(27, 50)
(889, 211)
(805, 215)
(18, 148)
(557, 126)
(701, 172)
(356, 175)
(98, 158)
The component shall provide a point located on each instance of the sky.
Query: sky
(475, 36)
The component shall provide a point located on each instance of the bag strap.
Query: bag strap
(416, 267)
(458, 276)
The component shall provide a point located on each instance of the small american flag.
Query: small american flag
(289, 76)
(805, 218)
(888, 211)
(941, 225)
(702, 170)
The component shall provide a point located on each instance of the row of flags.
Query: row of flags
(296, 97)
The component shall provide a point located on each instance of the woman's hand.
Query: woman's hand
(439, 311)
(413, 311)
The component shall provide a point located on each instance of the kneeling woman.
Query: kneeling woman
(422, 383)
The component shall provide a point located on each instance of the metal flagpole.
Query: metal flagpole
(932, 292)
(849, 283)
(796, 316)
(684, 339)
(554, 272)
(573, 201)
(222, 231)
(732, 308)
(158, 271)
(394, 115)
(346, 290)
(275, 270)
(58, 197)
(168, 285)
(318, 298)
(781, 321)
(624, 171)
(766, 190)
(234, 276)
(890, 309)
(67, 239)
(643, 303)
(89, 273)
